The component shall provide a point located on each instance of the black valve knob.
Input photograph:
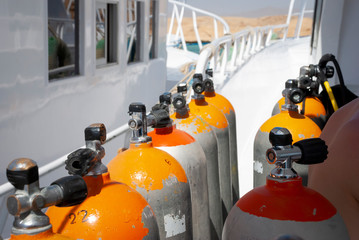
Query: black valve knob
(291, 83)
(166, 98)
(208, 85)
(179, 101)
(21, 172)
(198, 86)
(296, 95)
(209, 72)
(305, 82)
(280, 137)
(329, 71)
(198, 75)
(74, 190)
(314, 150)
(182, 87)
(81, 161)
(137, 107)
(162, 118)
(96, 131)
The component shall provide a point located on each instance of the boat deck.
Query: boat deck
(253, 91)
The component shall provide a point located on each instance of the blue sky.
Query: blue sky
(248, 8)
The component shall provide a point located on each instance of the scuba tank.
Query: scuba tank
(190, 155)
(227, 109)
(299, 125)
(28, 200)
(157, 176)
(202, 132)
(309, 81)
(112, 210)
(218, 122)
(284, 206)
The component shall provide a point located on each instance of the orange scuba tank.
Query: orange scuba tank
(190, 155)
(200, 130)
(157, 176)
(227, 109)
(26, 203)
(299, 125)
(284, 207)
(112, 210)
(309, 81)
(219, 124)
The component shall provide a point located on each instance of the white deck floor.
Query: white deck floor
(254, 90)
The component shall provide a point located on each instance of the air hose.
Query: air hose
(330, 95)
(322, 64)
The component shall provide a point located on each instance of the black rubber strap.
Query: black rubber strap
(314, 150)
(74, 190)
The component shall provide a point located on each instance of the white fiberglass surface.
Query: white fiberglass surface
(254, 90)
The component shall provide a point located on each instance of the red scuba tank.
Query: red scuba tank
(284, 205)
(190, 155)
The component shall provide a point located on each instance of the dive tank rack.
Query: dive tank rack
(177, 178)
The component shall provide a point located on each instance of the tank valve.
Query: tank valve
(138, 123)
(88, 161)
(283, 153)
(179, 99)
(292, 94)
(28, 200)
(158, 118)
(197, 85)
(208, 85)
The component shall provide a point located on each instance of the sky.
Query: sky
(248, 8)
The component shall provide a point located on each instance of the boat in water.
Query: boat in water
(68, 63)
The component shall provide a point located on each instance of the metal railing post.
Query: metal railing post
(300, 20)
(289, 16)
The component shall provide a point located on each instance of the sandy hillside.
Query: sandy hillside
(236, 24)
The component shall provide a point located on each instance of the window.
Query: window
(153, 31)
(135, 13)
(63, 38)
(106, 33)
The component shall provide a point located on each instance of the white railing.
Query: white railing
(177, 17)
(227, 54)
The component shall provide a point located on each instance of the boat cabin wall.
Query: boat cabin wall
(42, 118)
(338, 34)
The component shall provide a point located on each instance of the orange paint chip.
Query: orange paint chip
(212, 115)
(145, 167)
(299, 126)
(220, 102)
(199, 124)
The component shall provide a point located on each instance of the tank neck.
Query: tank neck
(200, 102)
(284, 183)
(180, 115)
(95, 183)
(165, 130)
(210, 93)
(141, 145)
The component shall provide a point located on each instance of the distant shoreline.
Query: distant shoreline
(236, 24)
